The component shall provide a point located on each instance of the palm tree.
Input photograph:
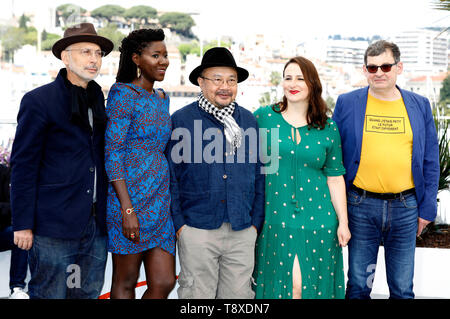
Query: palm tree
(442, 127)
(442, 4)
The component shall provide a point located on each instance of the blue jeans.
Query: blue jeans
(19, 259)
(374, 221)
(68, 268)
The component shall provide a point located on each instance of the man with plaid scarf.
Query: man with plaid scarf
(217, 185)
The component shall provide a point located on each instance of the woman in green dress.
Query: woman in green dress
(299, 251)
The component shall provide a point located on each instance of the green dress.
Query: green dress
(299, 216)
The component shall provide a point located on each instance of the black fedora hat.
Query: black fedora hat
(83, 32)
(217, 56)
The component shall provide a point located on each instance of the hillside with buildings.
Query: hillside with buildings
(338, 58)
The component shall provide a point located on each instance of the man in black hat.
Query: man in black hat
(217, 188)
(58, 181)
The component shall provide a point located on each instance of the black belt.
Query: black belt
(385, 196)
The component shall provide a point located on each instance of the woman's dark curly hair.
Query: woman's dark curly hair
(317, 110)
(135, 42)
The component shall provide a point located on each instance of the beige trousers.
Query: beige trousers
(216, 263)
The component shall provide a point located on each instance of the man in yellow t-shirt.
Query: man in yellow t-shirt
(391, 155)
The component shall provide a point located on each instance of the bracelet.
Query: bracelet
(129, 211)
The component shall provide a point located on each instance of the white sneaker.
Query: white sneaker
(18, 293)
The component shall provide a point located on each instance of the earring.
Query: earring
(139, 72)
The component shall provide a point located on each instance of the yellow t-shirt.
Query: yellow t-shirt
(386, 152)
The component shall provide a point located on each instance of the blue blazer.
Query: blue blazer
(53, 161)
(349, 115)
(205, 191)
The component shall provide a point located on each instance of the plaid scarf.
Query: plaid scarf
(233, 133)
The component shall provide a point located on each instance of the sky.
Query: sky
(289, 18)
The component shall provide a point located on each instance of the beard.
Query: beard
(221, 104)
(81, 71)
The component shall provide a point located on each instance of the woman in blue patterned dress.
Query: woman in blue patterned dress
(140, 229)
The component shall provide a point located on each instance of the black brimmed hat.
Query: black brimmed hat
(217, 56)
(83, 32)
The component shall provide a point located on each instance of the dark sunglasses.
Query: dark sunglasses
(385, 67)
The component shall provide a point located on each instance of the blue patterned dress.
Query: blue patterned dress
(137, 132)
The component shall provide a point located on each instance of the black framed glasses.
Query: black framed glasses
(384, 67)
(221, 81)
(89, 52)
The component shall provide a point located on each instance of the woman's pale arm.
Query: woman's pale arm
(336, 185)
